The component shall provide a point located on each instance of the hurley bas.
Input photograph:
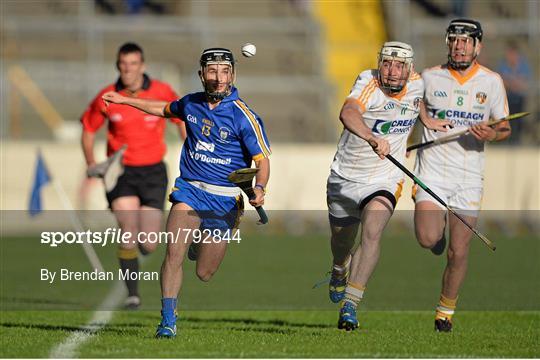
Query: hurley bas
(96, 275)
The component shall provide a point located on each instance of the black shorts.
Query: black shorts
(148, 183)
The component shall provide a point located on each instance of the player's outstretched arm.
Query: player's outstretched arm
(352, 119)
(152, 107)
(431, 123)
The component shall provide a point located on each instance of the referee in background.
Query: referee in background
(143, 184)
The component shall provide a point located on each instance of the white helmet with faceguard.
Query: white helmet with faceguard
(468, 30)
(395, 65)
(216, 56)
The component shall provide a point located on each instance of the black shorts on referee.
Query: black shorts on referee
(148, 183)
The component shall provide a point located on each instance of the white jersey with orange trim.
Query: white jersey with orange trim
(465, 101)
(389, 117)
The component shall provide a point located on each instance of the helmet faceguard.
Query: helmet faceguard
(395, 57)
(216, 56)
(468, 31)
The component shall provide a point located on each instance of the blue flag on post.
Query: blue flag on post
(41, 179)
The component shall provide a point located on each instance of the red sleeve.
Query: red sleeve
(94, 116)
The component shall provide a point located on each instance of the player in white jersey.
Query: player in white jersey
(363, 186)
(468, 95)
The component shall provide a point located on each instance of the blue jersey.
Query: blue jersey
(218, 141)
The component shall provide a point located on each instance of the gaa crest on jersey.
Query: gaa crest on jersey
(224, 133)
(481, 97)
(416, 102)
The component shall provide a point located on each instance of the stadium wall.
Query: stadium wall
(298, 177)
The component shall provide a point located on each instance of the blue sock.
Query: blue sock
(168, 307)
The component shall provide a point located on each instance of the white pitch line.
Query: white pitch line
(68, 348)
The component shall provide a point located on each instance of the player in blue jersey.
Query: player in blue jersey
(223, 135)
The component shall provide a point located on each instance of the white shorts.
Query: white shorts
(466, 199)
(346, 199)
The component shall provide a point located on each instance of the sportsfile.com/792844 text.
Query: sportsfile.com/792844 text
(116, 236)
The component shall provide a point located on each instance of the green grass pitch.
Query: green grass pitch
(279, 334)
(260, 304)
